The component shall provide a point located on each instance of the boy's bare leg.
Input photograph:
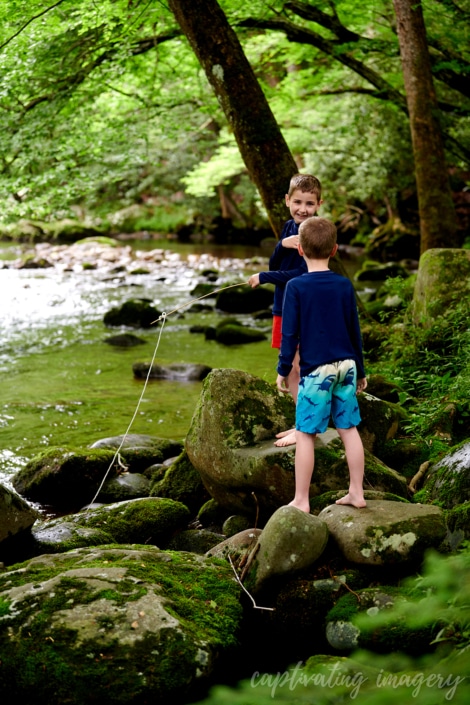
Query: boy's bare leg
(304, 462)
(355, 457)
(288, 438)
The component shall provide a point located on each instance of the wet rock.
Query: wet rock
(125, 340)
(128, 485)
(65, 478)
(148, 520)
(136, 313)
(195, 540)
(183, 372)
(244, 299)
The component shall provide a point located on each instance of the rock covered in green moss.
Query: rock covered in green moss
(343, 633)
(16, 515)
(114, 624)
(385, 533)
(64, 477)
(151, 520)
(380, 422)
(447, 482)
(181, 482)
(443, 279)
(231, 445)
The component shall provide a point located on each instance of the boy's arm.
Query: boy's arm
(290, 337)
(280, 278)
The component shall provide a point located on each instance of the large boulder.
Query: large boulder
(114, 625)
(443, 278)
(380, 422)
(230, 443)
(384, 532)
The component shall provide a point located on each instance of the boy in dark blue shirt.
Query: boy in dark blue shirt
(320, 318)
(303, 200)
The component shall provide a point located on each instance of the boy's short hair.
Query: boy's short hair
(305, 183)
(317, 237)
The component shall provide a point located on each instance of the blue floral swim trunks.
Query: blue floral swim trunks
(328, 392)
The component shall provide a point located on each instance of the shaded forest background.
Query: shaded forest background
(107, 115)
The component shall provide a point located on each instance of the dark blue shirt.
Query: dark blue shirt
(284, 264)
(320, 315)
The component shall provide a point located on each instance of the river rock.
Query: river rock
(183, 372)
(109, 625)
(385, 533)
(16, 514)
(290, 542)
(380, 422)
(136, 313)
(443, 278)
(244, 299)
(231, 445)
(65, 478)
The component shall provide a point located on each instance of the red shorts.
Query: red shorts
(276, 333)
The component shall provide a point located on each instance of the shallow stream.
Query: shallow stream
(61, 384)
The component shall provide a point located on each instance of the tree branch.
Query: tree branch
(31, 19)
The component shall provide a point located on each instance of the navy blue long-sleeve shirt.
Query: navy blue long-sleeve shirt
(284, 264)
(320, 315)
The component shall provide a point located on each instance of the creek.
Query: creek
(63, 385)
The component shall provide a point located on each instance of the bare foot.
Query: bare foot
(303, 507)
(286, 440)
(285, 433)
(355, 501)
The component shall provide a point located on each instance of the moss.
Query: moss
(142, 521)
(181, 482)
(45, 659)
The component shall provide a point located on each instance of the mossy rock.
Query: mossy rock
(443, 280)
(135, 313)
(447, 482)
(244, 299)
(343, 633)
(64, 477)
(114, 624)
(149, 520)
(183, 483)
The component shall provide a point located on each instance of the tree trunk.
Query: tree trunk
(438, 222)
(260, 141)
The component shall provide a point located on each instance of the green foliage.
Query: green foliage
(104, 105)
(430, 364)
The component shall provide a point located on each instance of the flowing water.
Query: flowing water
(62, 385)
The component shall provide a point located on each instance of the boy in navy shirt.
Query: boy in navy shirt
(320, 317)
(303, 200)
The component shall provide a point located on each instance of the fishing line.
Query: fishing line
(161, 318)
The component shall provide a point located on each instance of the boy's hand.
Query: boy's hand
(282, 383)
(361, 384)
(292, 242)
(253, 281)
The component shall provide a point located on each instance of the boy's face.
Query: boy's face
(302, 204)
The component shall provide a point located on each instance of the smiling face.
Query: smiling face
(302, 205)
